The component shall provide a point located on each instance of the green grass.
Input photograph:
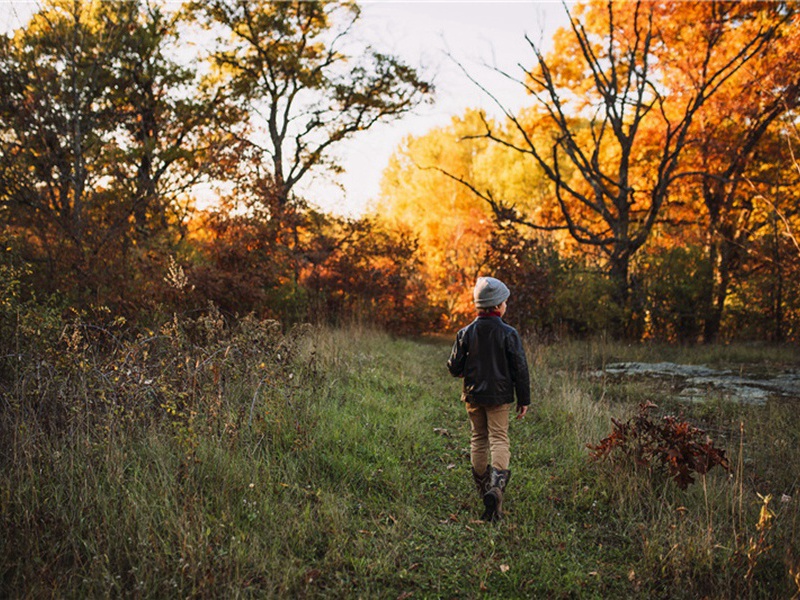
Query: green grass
(334, 463)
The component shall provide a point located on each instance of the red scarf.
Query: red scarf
(490, 313)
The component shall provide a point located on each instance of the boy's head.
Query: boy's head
(489, 293)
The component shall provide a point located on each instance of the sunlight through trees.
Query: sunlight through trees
(648, 189)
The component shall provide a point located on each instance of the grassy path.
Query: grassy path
(392, 452)
(344, 473)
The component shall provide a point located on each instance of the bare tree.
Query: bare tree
(604, 105)
(287, 65)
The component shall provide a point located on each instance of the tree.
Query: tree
(288, 66)
(249, 261)
(346, 270)
(764, 291)
(100, 140)
(365, 272)
(618, 135)
(452, 226)
(167, 118)
(728, 134)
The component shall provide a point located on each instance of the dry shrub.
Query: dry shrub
(674, 444)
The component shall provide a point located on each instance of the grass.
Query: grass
(206, 461)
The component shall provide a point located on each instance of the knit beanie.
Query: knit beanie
(489, 292)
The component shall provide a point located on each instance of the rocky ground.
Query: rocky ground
(698, 382)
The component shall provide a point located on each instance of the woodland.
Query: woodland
(647, 191)
(212, 387)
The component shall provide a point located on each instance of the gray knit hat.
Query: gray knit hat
(489, 292)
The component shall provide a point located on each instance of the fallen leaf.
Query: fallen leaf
(405, 595)
(312, 575)
(504, 568)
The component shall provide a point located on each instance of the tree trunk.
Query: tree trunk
(777, 281)
(619, 269)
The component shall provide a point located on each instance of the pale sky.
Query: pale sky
(423, 33)
(477, 35)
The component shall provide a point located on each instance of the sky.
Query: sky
(435, 36)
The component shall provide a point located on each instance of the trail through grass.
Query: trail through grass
(344, 473)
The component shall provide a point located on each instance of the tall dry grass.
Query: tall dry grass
(204, 458)
(731, 534)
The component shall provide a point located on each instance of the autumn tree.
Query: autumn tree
(452, 226)
(763, 299)
(618, 133)
(244, 264)
(343, 270)
(100, 140)
(362, 270)
(729, 138)
(297, 71)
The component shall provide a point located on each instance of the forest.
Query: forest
(648, 190)
(211, 386)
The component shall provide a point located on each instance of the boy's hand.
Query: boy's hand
(521, 410)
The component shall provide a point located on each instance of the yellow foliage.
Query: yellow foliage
(420, 192)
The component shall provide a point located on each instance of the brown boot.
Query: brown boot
(493, 499)
(482, 481)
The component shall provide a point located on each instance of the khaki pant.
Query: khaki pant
(489, 436)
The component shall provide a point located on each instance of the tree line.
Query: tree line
(114, 114)
(649, 189)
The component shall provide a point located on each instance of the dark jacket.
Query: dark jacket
(488, 354)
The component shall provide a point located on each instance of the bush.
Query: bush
(674, 283)
(673, 444)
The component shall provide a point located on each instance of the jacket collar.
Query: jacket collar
(493, 313)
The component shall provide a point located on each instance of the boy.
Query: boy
(489, 356)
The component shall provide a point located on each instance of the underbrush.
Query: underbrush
(209, 459)
(733, 531)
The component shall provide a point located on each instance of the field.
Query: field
(198, 460)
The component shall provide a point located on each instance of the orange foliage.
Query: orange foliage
(453, 227)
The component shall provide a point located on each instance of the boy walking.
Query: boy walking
(489, 356)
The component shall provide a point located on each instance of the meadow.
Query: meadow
(201, 459)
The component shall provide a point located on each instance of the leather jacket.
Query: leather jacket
(489, 355)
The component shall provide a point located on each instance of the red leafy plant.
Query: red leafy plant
(672, 442)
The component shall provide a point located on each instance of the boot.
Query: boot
(493, 499)
(482, 481)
